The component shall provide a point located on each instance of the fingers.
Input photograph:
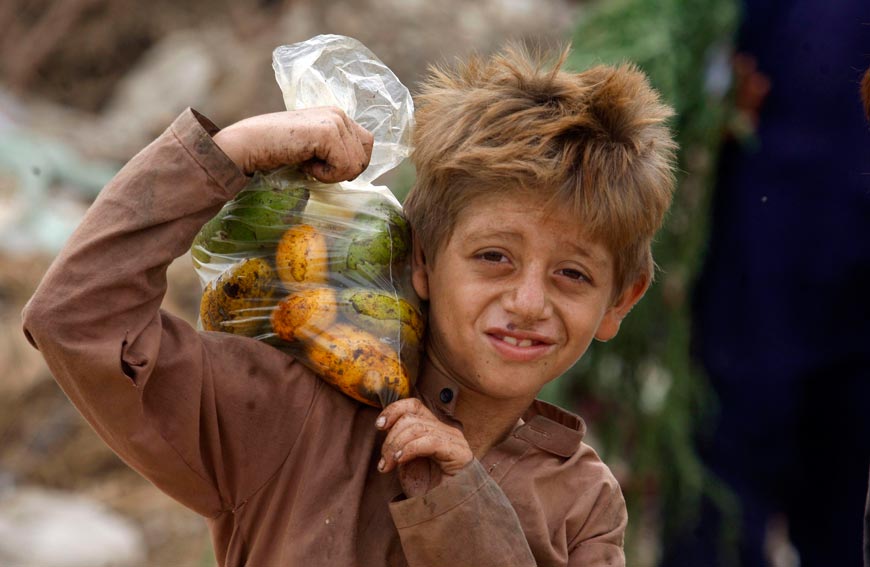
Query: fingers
(342, 150)
(415, 433)
(406, 430)
(397, 409)
(417, 440)
(362, 143)
(323, 142)
(417, 476)
(447, 452)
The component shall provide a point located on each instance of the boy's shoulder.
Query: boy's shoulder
(561, 480)
(559, 436)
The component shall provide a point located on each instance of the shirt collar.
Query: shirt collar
(547, 427)
(438, 391)
(552, 429)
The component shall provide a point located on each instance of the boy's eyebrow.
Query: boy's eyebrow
(511, 235)
(484, 234)
(586, 253)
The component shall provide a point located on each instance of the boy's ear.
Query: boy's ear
(419, 270)
(614, 315)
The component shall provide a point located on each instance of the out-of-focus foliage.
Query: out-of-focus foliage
(642, 395)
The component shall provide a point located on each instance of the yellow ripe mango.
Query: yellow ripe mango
(302, 257)
(240, 299)
(359, 365)
(305, 314)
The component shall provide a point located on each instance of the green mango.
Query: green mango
(377, 247)
(254, 220)
(265, 211)
(212, 239)
(383, 314)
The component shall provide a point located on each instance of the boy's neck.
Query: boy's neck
(487, 422)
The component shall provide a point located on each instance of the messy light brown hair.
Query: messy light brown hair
(594, 141)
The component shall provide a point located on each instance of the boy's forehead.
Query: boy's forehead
(519, 215)
(525, 206)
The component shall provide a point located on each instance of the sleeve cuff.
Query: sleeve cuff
(452, 492)
(194, 131)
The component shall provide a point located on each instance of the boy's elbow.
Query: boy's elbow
(43, 324)
(34, 324)
(68, 348)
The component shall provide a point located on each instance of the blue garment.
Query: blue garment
(782, 308)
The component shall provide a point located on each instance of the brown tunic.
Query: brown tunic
(281, 465)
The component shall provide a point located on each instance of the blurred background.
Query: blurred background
(85, 84)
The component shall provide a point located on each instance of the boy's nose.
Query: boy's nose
(528, 299)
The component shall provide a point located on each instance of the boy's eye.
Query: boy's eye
(574, 274)
(492, 256)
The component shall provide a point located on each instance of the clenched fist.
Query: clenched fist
(322, 141)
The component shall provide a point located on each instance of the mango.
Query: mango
(240, 299)
(302, 256)
(305, 314)
(359, 365)
(253, 221)
(375, 250)
(384, 314)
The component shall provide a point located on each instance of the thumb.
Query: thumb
(415, 477)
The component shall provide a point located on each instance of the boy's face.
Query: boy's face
(516, 295)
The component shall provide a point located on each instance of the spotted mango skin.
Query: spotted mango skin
(360, 365)
(302, 256)
(305, 314)
(239, 300)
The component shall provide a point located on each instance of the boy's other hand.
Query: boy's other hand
(323, 141)
(424, 448)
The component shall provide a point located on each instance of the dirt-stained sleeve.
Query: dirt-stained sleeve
(207, 417)
(465, 521)
(601, 540)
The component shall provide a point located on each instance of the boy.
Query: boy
(537, 196)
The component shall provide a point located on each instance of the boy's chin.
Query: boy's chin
(518, 385)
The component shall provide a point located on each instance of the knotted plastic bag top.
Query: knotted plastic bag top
(334, 70)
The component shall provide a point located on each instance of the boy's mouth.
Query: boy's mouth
(517, 342)
(519, 338)
(519, 346)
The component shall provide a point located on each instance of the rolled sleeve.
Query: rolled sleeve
(466, 520)
(195, 133)
(601, 542)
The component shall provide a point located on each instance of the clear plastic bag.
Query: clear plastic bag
(322, 270)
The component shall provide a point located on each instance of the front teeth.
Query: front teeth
(515, 342)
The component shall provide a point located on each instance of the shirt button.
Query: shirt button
(446, 395)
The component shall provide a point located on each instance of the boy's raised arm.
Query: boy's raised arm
(207, 417)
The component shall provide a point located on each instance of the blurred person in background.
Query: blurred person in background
(865, 97)
(782, 314)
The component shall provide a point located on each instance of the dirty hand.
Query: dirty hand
(323, 141)
(424, 448)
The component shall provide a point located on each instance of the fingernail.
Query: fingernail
(381, 421)
(398, 455)
(381, 464)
